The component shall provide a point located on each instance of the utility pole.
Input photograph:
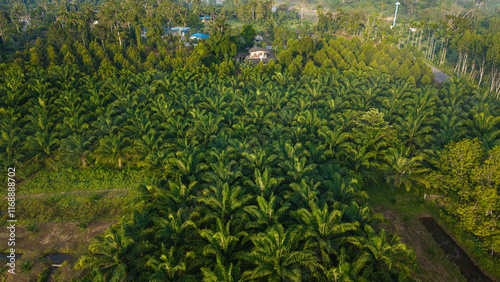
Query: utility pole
(395, 14)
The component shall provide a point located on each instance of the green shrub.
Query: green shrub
(83, 224)
(26, 266)
(32, 228)
(95, 197)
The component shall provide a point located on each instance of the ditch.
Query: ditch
(454, 253)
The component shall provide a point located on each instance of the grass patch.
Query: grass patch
(68, 180)
(67, 208)
(71, 208)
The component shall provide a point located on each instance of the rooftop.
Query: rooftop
(257, 49)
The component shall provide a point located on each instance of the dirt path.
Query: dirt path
(108, 193)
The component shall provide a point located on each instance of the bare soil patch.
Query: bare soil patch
(53, 237)
(57, 237)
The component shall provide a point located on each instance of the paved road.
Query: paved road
(440, 77)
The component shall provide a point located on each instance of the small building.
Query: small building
(257, 39)
(258, 54)
(205, 18)
(180, 30)
(198, 36)
(144, 32)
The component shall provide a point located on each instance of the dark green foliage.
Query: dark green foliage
(248, 33)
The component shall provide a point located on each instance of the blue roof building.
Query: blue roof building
(199, 36)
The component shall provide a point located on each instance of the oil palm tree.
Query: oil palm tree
(403, 170)
(324, 229)
(221, 272)
(79, 146)
(223, 243)
(381, 254)
(169, 267)
(223, 201)
(263, 184)
(116, 255)
(114, 148)
(277, 256)
(267, 213)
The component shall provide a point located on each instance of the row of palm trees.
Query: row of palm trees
(60, 114)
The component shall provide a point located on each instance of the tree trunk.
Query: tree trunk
(120, 162)
(493, 75)
(481, 73)
(473, 68)
(459, 62)
(464, 64)
(433, 45)
(420, 39)
(120, 38)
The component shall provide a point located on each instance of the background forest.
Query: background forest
(242, 171)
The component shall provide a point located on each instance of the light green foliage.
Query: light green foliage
(472, 181)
